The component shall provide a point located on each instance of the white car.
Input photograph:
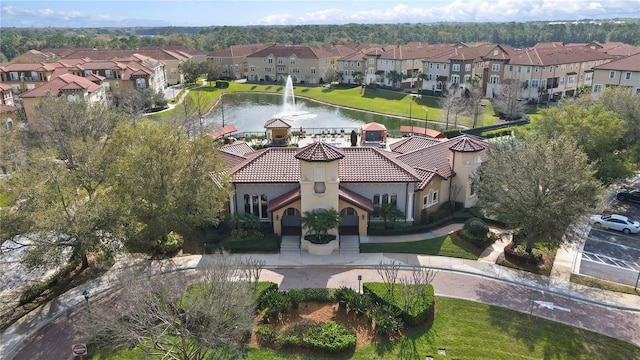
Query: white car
(616, 222)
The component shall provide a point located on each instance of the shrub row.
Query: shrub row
(415, 229)
(421, 311)
(32, 292)
(269, 243)
(514, 252)
(327, 336)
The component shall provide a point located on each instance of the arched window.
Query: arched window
(254, 205)
(247, 204)
(263, 206)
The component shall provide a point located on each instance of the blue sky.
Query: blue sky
(116, 13)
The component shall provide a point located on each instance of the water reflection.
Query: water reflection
(249, 112)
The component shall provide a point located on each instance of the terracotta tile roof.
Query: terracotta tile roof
(433, 158)
(284, 199)
(373, 126)
(222, 131)
(355, 56)
(412, 143)
(355, 199)
(29, 67)
(272, 165)
(367, 164)
(629, 63)
(62, 82)
(425, 178)
(556, 56)
(232, 159)
(239, 148)
(406, 129)
(299, 51)
(238, 50)
(467, 144)
(5, 87)
(319, 152)
(359, 164)
(276, 123)
(7, 108)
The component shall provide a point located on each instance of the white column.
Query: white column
(410, 204)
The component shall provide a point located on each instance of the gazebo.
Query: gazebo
(277, 132)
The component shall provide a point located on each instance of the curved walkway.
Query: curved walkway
(609, 313)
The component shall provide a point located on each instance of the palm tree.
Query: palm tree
(318, 222)
(422, 76)
(394, 76)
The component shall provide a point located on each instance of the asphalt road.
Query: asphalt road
(54, 341)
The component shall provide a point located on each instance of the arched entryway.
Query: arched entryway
(291, 222)
(349, 223)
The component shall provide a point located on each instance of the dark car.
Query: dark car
(628, 195)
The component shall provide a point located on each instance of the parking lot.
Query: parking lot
(612, 255)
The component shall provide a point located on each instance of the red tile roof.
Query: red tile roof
(629, 63)
(467, 144)
(276, 123)
(239, 148)
(62, 82)
(355, 199)
(319, 152)
(359, 164)
(223, 131)
(412, 143)
(406, 129)
(284, 199)
(373, 127)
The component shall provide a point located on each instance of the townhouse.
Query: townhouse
(8, 109)
(233, 60)
(73, 87)
(550, 73)
(623, 72)
(305, 64)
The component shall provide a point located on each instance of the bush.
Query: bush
(320, 295)
(420, 311)
(329, 336)
(387, 319)
(171, 244)
(274, 303)
(262, 288)
(267, 333)
(476, 227)
(295, 298)
(352, 301)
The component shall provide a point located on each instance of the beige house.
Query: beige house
(554, 72)
(278, 184)
(74, 88)
(305, 64)
(624, 72)
(233, 60)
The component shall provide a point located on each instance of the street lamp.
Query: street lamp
(359, 280)
(426, 119)
(410, 118)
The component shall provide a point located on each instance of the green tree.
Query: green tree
(167, 181)
(595, 130)
(64, 204)
(212, 70)
(319, 222)
(540, 185)
(191, 70)
(626, 105)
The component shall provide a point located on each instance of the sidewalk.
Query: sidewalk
(14, 337)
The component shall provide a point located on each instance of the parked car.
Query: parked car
(628, 195)
(616, 222)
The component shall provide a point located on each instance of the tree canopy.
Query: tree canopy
(539, 184)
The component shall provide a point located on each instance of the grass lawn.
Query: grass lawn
(468, 330)
(382, 101)
(440, 246)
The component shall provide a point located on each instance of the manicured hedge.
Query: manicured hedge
(421, 311)
(416, 229)
(269, 243)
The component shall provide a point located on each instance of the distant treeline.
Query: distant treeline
(15, 41)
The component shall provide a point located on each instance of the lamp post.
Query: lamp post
(426, 119)
(85, 293)
(359, 280)
(410, 118)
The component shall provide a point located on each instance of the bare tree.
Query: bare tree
(452, 104)
(388, 271)
(169, 319)
(474, 97)
(414, 287)
(132, 103)
(508, 101)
